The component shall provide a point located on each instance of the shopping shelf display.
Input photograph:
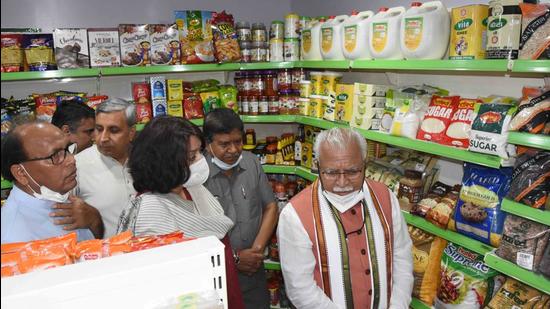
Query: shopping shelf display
(247, 56)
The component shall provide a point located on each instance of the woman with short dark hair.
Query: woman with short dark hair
(168, 170)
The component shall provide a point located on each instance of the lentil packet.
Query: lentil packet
(533, 111)
(535, 31)
(516, 295)
(226, 46)
(531, 179)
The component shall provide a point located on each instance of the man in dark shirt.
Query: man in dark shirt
(238, 180)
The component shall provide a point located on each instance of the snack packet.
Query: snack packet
(226, 45)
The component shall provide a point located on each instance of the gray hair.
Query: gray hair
(117, 104)
(340, 138)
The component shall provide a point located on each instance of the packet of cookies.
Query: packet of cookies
(226, 45)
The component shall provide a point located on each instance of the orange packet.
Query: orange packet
(88, 250)
(45, 258)
(10, 264)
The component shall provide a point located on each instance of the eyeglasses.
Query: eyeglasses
(350, 174)
(59, 156)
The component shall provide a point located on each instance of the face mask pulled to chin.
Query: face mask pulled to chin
(222, 165)
(344, 202)
(46, 194)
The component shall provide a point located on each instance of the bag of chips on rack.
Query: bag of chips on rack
(516, 295)
(427, 250)
(226, 45)
(228, 97)
(12, 52)
(489, 133)
(533, 111)
(39, 53)
(523, 242)
(192, 106)
(478, 214)
(531, 179)
(466, 281)
(437, 119)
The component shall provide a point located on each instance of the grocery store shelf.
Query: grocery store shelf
(518, 209)
(267, 65)
(510, 269)
(323, 64)
(305, 173)
(269, 118)
(6, 184)
(451, 236)
(73, 73)
(531, 66)
(530, 140)
(417, 304)
(160, 69)
(319, 123)
(272, 265)
(279, 169)
(432, 65)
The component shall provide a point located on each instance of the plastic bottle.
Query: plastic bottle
(425, 31)
(311, 41)
(384, 33)
(355, 35)
(331, 41)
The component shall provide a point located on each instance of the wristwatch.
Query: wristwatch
(236, 257)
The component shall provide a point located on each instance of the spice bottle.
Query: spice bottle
(243, 31)
(250, 137)
(259, 34)
(253, 105)
(263, 105)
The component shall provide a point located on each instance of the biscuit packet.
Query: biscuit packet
(226, 45)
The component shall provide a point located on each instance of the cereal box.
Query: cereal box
(159, 108)
(195, 29)
(135, 45)
(158, 87)
(165, 44)
(71, 48)
(104, 47)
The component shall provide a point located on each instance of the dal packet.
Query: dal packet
(466, 281)
(533, 111)
(516, 295)
(531, 179)
(534, 41)
(478, 214)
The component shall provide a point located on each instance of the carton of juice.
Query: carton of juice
(468, 32)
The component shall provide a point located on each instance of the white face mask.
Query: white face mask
(344, 202)
(199, 173)
(46, 193)
(224, 166)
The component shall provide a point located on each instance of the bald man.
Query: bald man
(38, 158)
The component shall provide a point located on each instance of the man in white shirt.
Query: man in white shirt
(343, 241)
(104, 181)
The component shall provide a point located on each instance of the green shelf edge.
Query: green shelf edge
(418, 304)
(323, 64)
(451, 236)
(205, 67)
(74, 73)
(540, 141)
(279, 169)
(272, 265)
(531, 66)
(267, 65)
(524, 211)
(508, 268)
(269, 119)
(433, 65)
(6, 184)
(305, 173)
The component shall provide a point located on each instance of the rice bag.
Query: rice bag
(516, 295)
(534, 41)
(523, 242)
(226, 45)
(478, 214)
(533, 111)
(192, 106)
(531, 179)
(489, 132)
(12, 52)
(195, 28)
(466, 281)
(437, 119)
(427, 250)
(228, 97)
(458, 132)
(39, 51)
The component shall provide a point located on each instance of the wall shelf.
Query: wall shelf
(510, 269)
(540, 141)
(53, 74)
(521, 210)
(272, 265)
(432, 65)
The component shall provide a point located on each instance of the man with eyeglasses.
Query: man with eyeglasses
(343, 242)
(38, 158)
(237, 179)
